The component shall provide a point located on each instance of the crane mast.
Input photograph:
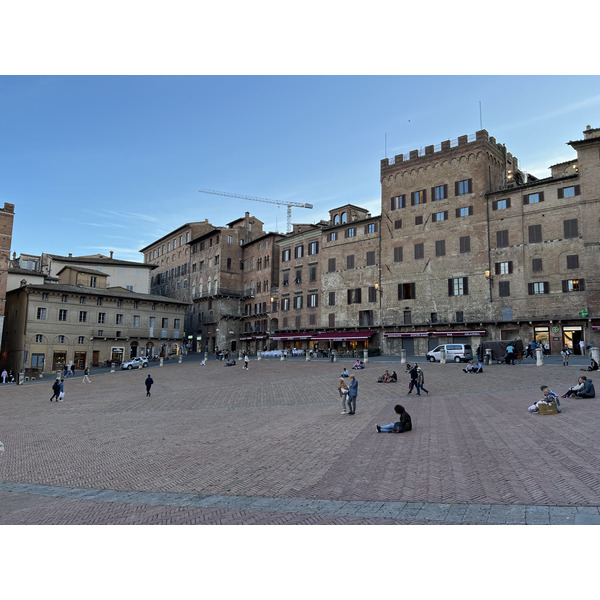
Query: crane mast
(268, 200)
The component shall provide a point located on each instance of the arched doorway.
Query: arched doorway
(133, 350)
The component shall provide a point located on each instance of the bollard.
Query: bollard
(206, 356)
(539, 354)
(595, 353)
(180, 358)
(487, 359)
(259, 355)
(162, 360)
(403, 356)
(281, 357)
(307, 355)
(366, 356)
(443, 356)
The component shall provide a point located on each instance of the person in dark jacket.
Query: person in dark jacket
(414, 380)
(400, 426)
(149, 381)
(587, 391)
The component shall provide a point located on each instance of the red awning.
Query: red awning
(465, 333)
(596, 326)
(293, 336)
(343, 336)
(406, 334)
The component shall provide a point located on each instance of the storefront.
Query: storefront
(252, 343)
(293, 341)
(417, 343)
(342, 341)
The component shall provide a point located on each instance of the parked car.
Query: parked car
(455, 352)
(135, 363)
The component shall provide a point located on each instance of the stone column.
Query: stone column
(539, 354)
(595, 352)
(365, 356)
(162, 360)
(403, 356)
(259, 355)
(443, 356)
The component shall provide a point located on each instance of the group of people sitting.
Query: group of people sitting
(387, 378)
(230, 363)
(359, 364)
(472, 368)
(549, 398)
(583, 389)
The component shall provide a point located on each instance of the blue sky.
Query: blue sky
(100, 163)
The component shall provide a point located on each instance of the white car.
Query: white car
(135, 363)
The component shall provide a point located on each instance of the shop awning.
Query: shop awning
(343, 336)
(596, 326)
(253, 337)
(406, 334)
(293, 336)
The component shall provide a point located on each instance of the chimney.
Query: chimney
(70, 255)
(111, 253)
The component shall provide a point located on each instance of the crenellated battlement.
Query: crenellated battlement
(433, 151)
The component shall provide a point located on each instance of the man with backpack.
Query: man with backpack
(55, 390)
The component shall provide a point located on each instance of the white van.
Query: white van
(455, 352)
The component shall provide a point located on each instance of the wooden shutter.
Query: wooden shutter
(465, 286)
(349, 296)
(530, 288)
(445, 190)
(495, 205)
(582, 285)
(508, 203)
(357, 295)
(546, 287)
(470, 186)
(497, 268)
(541, 196)
(577, 190)
(450, 287)
(510, 266)
(424, 196)
(456, 188)
(412, 290)
(457, 213)
(565, 285)
(561, 194)
(446, 215)
(412, 198)
(470, 210)
(400, 296)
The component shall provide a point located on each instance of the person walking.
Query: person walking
(352, 394)
(55, 390)
(61, 393)
(246, 360)
(86, 375)
(343, 391)
(4, 376)
(149, 381)
(414, 380)
(421, 381)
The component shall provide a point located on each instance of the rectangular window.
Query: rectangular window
(351, 232)
(165, 322)
(573, 285)
(37, 361)
(83, 316)
(62, 315)
(313, 248)
(372, 294)
(80, 339)
(440, 216)
(93, 281)
(331, 265)
(573, 261)
(398, 224)
(61, 339)
(440, 248)
(418, 197)
(331, 300)
(119, 320)
(370, 258)
(419, 220)
(568, 192)
(398, 202)
(460, 316)
(136, 320)
(539, 287)
(419, 251)
(98, 301)
(535, 234)
(465, 244)
(41, 313)
(502, 238)
(533, 198)
(371, 228)
(439, 192)
(504, 268)
(350, 261)
(297, 302)
(64, 298)
(501, 204)
(504, 289)
(229, 240)
(398, 254)
(286, 278)
(312, 300)
(285, 304)
(407, 317)
(571, 228)
(465, 186)
(354, 296)
(458, 286)
(464, 211)
(45, 296)
(101, 317)
(406, 291)
(332, 236)
(298, 276)
(536, 265)
(312, 273)
(299, 251)
(286, 255)
(119, 303)
(81, 299)
(39, 338)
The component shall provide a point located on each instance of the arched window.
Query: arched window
(344, 217)
(336, 219)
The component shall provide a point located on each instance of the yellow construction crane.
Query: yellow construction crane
(278, 202)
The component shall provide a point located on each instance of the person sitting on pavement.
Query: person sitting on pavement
(345, 373)
(587, 391)
(359, 364)
(386, 376)
(593, 366)
(469, 368)
(400, 426)
(478, 368)
(549, 396)
(393, 377)
(575, 388)
(230, 363)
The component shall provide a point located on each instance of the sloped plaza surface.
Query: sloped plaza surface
(220, 445)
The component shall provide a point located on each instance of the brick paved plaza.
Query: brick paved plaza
(218, 445)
